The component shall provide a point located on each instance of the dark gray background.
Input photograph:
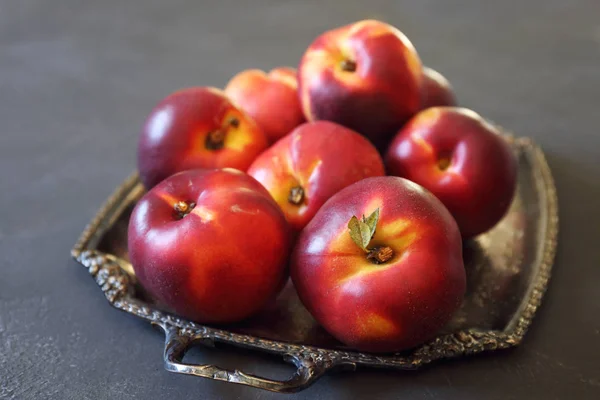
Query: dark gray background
(77, 79)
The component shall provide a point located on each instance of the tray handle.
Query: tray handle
(176, 345)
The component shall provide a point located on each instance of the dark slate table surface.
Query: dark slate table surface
(77, 78)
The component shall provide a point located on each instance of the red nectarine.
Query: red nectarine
(211, 245)
(380, 265)
(196, 128)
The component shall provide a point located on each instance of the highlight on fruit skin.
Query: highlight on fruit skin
(365, 76)
(196, 127)
(380, 265)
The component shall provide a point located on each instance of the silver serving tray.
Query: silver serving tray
(508, 270)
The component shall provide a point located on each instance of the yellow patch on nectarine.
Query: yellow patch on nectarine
(287, 76)
(237, 138)
(362, 269)
(244, 81)
(398, 234)
(342, 244)
(203, 213)
(372, 28)
(423, 145)
(373, 325)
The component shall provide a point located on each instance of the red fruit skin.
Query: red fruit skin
(436, 90)
(224, 260)
(270, 99)
(322, 157)
(379, 96)
(175, 133)
(392, 306)
(479, 183)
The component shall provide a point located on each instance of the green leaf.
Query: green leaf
(355, 233)
(362, 231)
(365, 233)
(371, 221)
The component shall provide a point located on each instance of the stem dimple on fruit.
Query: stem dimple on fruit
(233, 121)
(215, 139)
(183, 208)
(296, 195)
(444, 163)
(348, 65)
(380, 255)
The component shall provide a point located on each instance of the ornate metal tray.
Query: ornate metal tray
(508, 270)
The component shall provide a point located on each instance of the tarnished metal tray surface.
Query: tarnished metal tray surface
(508, 270)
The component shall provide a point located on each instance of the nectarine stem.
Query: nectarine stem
(379, 255)
(215, 139)
(296, 195)
(348, 65)
(183, 208)
(233, 121)
(443, 163)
